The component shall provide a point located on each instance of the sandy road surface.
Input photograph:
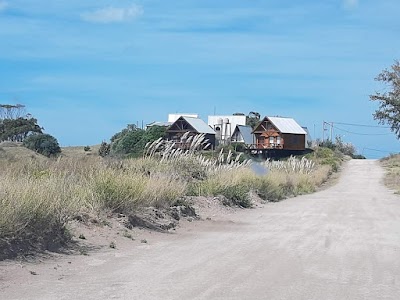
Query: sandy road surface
(341, 243)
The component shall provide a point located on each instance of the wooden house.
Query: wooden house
(194, 126)
(279, 133)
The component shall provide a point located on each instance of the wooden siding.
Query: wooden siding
(294, 141)
(179, 128)
(267, 136)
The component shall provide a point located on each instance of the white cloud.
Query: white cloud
(113, 14)
(350, 4)
(3, 5)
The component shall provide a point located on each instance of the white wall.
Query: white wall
(233, 121)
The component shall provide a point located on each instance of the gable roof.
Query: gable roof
(287, 125)
(246, 132)
(199, 125)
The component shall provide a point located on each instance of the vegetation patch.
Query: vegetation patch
(38, 197)
(392, 166)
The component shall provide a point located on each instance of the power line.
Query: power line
(376, 150)
(358, 133)
(361, 125)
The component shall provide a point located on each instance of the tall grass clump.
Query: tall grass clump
(235, 185)
(34, 211)
(392, 166)
(126, 192)
(38, 198)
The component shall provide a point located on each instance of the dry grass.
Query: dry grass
(38, 196)
(392, 165)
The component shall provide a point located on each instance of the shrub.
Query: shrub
(132, 140)
(86, 148)
(238, 194)
(44, 144)
(322, 152)
(267, 190)
(239, 147)
(104, 149)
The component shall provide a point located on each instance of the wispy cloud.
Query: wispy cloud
(350, 4)
(113, 14)
(3, 5)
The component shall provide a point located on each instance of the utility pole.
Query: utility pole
(315, 137)
(331, 131)
(323, 131)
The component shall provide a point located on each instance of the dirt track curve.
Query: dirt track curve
(340, 243)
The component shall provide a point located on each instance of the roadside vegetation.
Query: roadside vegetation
(44, 188)
(39, 195)
(392, 166)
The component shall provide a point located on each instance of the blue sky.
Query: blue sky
(85, 69)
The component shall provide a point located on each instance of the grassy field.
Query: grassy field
(392, 165)
(39, 196)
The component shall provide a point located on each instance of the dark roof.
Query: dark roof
(246, 132)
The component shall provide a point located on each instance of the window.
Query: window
(271, 139)
(278, 140)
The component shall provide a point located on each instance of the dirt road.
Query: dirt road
(341, 243)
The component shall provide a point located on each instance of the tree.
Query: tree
(253, 119)
(44, 144)
(132, 140)
(104, 149)
(127, 143)
(10, 111)
(118, 135)
(16, 130)
(389, 100)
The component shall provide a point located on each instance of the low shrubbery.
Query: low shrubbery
(327, 156)
(44, 144)
(341, 148)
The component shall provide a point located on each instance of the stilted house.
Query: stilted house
(279, 133)
(243, 134)
(177, 132)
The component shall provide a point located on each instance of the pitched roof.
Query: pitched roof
(199, 125)
(246, 132)
(287, 125)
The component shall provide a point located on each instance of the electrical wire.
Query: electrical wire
(376, 150)
(358, 133)
(359, 125)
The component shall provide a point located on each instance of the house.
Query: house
(279, 133)
(192, 125)
(243, 134)
(224, 125)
